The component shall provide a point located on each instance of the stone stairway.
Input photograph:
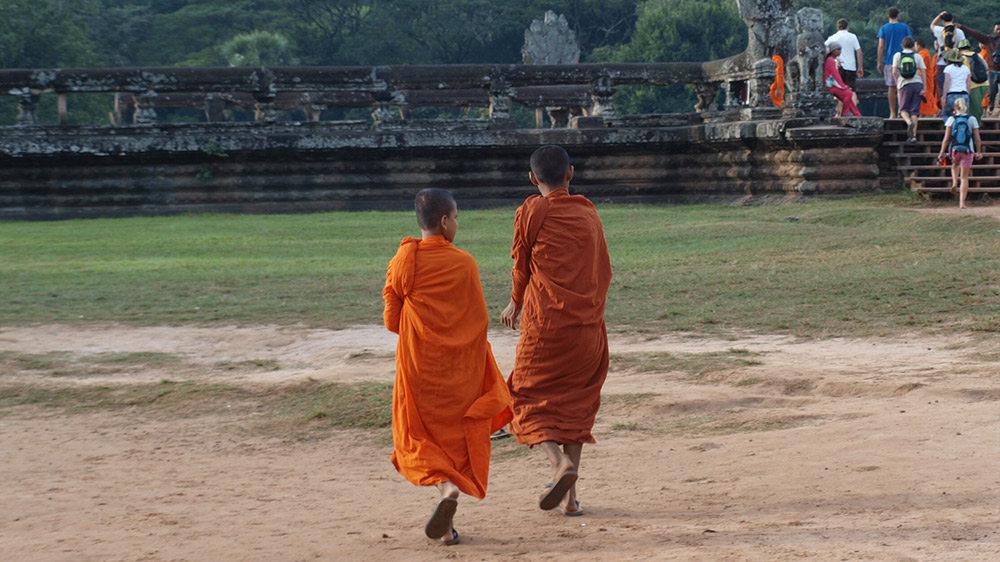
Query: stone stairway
(917, 162)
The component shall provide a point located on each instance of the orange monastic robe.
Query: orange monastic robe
(449, 393)
(930, 107)
(777, 89)
(560, 279)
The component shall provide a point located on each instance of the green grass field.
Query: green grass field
(863, 266)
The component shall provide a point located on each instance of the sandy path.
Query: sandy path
(838, 450)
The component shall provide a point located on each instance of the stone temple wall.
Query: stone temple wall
(50, 173)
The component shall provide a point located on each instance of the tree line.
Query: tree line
(125, 33)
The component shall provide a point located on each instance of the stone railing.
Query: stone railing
(393, 92)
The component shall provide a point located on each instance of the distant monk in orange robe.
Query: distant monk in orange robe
(449, 394)
(928, 105)
(560, 282)
(777, 89)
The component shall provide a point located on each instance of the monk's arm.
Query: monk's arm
(393, 305)
(521, 272)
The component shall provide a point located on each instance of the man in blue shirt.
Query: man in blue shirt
(890, 42)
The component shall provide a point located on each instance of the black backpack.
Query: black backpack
(961, 135)
(907, 65)
(949, 37)
(978, 68)
(996, 57)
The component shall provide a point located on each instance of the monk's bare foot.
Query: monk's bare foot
(438, 525)
(570, 507)
(563, 480)
(451, 538)
(448, 490)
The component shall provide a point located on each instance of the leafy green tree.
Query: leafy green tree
(675, 31)
(118, 29)
(44, 34)
(258, 48)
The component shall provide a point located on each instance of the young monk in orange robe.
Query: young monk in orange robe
(449, 394)
(560, 282)
(929, 105)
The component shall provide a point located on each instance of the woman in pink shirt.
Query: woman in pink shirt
(834, 85)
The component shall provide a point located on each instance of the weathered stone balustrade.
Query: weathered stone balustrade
(393, 91)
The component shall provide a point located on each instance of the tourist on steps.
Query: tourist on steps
(957, 81)
(910, 73)
(992, 45)
(834, 85)
(851, 59)
(946, 38)
(978, 78)
(890, 42)
(962, 141)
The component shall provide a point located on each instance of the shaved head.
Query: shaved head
(549, 164)
(432, 204)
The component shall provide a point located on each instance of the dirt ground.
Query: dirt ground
(753, 448)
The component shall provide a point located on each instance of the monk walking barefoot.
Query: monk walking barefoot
(561, 276)
(449, 394)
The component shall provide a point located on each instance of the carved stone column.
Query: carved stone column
(267, 92)
(26, 102)
(265, 112)
(807, 97)
(145, 108)
(383, 108)
(383, 113)
(603, 91)
(706, 93)
(500, 100)
(214, 107)
(764, 72)
(558, 117)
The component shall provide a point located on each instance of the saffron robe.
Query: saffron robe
(931, 106)
(561, 275)
(777, 89)
(449, 394)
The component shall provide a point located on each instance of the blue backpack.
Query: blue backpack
(961, 135)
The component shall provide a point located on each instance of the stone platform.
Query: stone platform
(75, 172)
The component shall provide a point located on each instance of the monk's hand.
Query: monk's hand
(510, 314)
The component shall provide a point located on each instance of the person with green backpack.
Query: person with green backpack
(979, 78)
(910, 73)
(962, 141)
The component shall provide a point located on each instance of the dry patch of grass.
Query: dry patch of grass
(296, 411)
(749, 422)
(365, 405)
(249, 365)
(177, 398)
(692, 364)
(66, 364)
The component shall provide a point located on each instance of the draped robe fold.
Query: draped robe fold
(449, 394)
(929, 105)
(561, 275)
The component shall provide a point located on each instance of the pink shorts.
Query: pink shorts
(963, 159)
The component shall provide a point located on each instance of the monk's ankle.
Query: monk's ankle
(448, 490)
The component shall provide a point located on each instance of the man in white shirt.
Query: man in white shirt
(946, 37)
(851, 62)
